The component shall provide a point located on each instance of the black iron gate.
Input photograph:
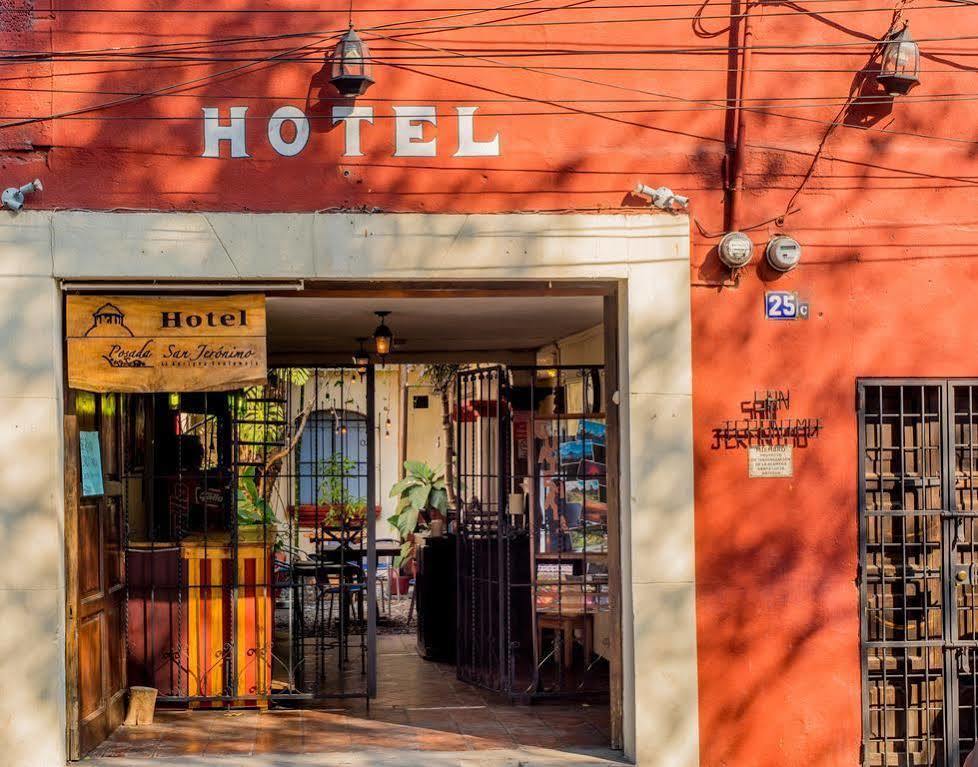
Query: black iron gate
(532, 530)
(484, 652)
(919, 570)
(250, 532)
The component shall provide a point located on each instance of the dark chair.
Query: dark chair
(384, 570)
(342, 580)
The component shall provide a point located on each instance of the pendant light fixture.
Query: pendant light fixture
(899, 63)
(350, 62)
(361, 359)
(383, 337)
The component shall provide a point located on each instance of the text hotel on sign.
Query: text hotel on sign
(409, 125)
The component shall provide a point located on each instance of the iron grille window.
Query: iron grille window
(918, 571)
(332, 465)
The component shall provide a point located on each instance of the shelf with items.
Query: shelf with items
(562, 590)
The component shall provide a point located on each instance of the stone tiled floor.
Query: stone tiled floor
(421, 706)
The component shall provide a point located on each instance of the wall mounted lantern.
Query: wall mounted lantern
(900, 62)
(351, 67)
(383, 337)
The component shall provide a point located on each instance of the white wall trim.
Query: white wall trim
(647, 253)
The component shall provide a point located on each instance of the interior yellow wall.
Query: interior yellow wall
(424, 440)
(584, 348)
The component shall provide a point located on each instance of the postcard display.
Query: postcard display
(568, 493)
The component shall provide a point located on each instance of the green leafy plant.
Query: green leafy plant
(260, 415)
(344, 504)
(441, 377)
(253, 509)
(422, 492)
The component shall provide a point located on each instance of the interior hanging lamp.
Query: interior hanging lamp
(350, 61)
(900, 62)
(361, 359)
(383, 337)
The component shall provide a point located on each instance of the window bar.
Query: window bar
(343, 653)
(901, 628)
(866, 692)
(950, 453)
(371, 578)
(923, 548)
(882, 609)
(497, 454)
(969, 525)
(534, 527)
(319, 630)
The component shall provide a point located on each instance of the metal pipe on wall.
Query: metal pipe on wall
(735, 158)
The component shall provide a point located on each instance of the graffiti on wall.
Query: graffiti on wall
(763, 423)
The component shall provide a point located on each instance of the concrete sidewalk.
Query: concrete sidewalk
(382, 757)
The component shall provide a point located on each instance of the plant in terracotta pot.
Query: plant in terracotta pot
(422, 498)
(344, 506)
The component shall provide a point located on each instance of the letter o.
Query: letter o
(298, 118)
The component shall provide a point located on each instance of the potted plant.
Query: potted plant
(256, 518)
(343, 508)
(422, 498)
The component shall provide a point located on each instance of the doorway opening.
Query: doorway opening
(247, 538)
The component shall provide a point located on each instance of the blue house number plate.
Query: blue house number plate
(782, 305)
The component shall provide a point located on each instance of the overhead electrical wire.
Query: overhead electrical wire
(287, 35)
(698, 107)
(141, 96)
(314, 57)
(788, 48)
(915, 174)
(342, 10)
(200, 80)
(701, 104)
(708, 106)
(573, 68)
(467, 99)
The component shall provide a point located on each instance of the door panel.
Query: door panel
(90, 666)
(96, 674)
(89, 552)
(114, 555)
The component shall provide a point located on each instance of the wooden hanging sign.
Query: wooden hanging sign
(165, 343)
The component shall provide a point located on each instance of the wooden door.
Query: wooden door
(96, 677)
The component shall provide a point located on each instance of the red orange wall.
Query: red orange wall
(886, 220)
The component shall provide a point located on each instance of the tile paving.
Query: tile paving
(421, 707)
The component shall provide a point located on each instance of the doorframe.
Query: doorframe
(615, 544)
(609, 290)
(71, 480)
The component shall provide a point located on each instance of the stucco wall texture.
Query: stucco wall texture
(586, 100)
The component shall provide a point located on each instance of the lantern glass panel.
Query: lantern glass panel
(351, 57)
(901, 58)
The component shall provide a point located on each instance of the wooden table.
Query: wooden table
(566, 624)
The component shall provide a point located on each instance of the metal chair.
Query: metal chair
(384, 570)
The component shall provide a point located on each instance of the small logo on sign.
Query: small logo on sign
(782, 305)
(107, 320)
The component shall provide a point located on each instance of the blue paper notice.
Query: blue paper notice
(91, 464)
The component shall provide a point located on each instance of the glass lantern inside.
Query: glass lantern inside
(350, 57)
(900, 63)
